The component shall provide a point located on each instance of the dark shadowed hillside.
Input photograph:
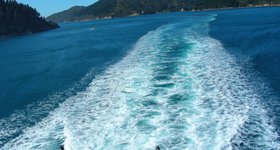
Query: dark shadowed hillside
(120, 8)
(17, 19)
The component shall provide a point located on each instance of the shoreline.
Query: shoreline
(233, 8)
(26, 33)
(196, 10)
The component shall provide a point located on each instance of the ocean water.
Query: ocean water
(189, 80)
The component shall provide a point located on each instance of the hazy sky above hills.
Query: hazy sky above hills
(48, 7)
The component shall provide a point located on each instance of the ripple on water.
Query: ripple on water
(177, 88)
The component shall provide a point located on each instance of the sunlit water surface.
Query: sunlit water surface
(194, 80)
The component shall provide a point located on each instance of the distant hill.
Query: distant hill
(100, 9)
(18, 19)
(120, 8)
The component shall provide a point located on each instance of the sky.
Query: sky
(49, 7)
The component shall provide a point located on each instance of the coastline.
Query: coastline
(233, 8)
(27, 33)
(194, 10)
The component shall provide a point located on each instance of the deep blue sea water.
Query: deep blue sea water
(189, 80)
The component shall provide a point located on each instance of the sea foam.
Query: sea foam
(177, 88)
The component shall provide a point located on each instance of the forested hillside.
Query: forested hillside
(17, 19)
(120, 8)
(100, 9)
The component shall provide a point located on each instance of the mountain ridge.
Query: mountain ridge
(122, 8)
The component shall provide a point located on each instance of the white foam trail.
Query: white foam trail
(87, 121)
(178, 88)
(224, 100)
(20, 120)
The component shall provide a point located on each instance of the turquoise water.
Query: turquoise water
(194, 80)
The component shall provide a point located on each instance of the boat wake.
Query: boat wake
(177, 88)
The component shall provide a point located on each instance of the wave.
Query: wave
(177, 88)
(14, 125)
(228, 105)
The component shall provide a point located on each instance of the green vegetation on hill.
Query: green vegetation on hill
(120, 8)
(100, 9)
(17, 19)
